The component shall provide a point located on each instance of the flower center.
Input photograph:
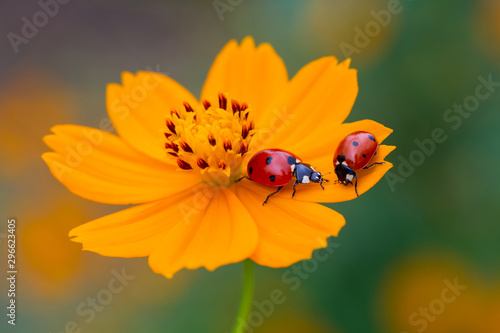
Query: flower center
(212, 140)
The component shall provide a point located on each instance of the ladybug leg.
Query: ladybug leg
(294, 184)
(356, 185)
(279, 189)
(367, 167)
(323, 181)
(244, 177)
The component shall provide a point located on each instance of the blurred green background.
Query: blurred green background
(405, 242)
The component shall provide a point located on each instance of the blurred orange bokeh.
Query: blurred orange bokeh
(439, 293)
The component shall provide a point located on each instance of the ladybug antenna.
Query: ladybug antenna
(323, 179)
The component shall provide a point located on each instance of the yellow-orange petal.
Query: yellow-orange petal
(135, 231)
(215, 230)
(289, 230)
(319, 97)
(100, 166)
(255, 75)
(138, 107)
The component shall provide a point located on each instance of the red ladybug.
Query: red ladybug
(276, 167)
(354, 153)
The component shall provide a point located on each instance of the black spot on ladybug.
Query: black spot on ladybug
(272, 178)
(371, 137)
(291, 160)
(250, 170)
(269, 159)
(355, 143)
(364, 156)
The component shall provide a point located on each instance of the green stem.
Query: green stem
(246, 297)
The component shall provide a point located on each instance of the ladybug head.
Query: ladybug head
(317, 177)
(340, 159)
(341, 168)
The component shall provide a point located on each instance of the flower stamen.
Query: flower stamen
(243, 149)
(206, 104)
(227, 145)
(174, 112)
(209, 139)
(235, 106)
(186, 147)
(244, 131)
(222, 101)
(188, 107)
(202, 163)
(171, 126)
(183, 164)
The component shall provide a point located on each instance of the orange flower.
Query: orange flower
(180, 158)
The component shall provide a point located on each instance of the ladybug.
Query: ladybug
(354, 153)
(276, 167)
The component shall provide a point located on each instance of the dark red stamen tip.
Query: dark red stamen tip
(174, 147)
(188, 107)
(186, 147)
(174, 112)
(227, 145)
(211, 139)
(173, 154)
(202, 163)
(183, 164)
(244, 106)
(222, 101)
(171, 126)
(222, 164)
(244, 131)
(235, 106)
(243, 149)
(167, 135)
(206, 104)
